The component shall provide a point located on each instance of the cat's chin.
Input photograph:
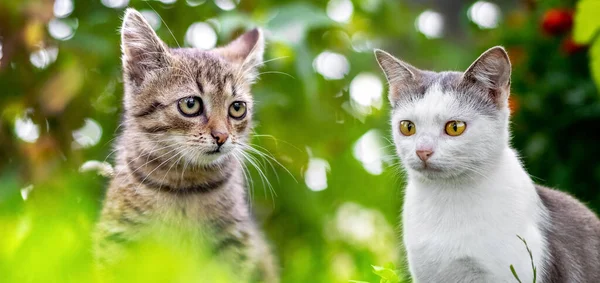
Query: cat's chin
(432, 172)
(429, 173)
(209, 159)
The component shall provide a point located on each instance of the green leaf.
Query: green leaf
(386, 274)
(390, 265)
(595, 61)
(291, 22)
(587, 22)
(512, 269)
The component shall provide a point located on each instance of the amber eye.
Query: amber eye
(237, 110)
(407, 128)
(455, 128)
(190, 106)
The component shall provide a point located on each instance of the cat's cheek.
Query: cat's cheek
(242, 126)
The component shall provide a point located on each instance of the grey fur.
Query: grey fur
(484, 84)
(463, 270)
(571, 230)
(573, 236)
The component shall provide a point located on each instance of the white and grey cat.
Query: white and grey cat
(468, 195)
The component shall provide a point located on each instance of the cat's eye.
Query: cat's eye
(407, 128)
(455, 128)
(237, 110)
(190, 106)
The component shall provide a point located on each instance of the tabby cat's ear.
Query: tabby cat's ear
(143, 51)
(246, 51)
(491, 71)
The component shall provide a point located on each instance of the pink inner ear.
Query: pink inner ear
(248, 44)
(492, 68)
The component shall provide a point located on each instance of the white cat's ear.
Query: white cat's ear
(492, 72)
(247, 50)
(403, 79)
(395, 70)
(143, 51)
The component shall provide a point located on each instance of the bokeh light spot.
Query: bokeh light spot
(361, 42)
(153, 18)
(484, 14)
(340, 10)
(63, 8)
(60, 29)
(369, 151)
(88, 135)
(331, 65)
(430, 23)
(363, 227)
(117, 4)
(226, 5)
(26, 129)
(366, 89)
(370, 5)
(43, 57)
(25, 192)
(315, 176)
(201, 35)
(194, 3)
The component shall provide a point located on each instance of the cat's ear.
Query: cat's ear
(395, 70)
(246, 51)
(143, 51)
(492, 72)
(401, 76)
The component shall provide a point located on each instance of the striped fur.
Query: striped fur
(171, 175)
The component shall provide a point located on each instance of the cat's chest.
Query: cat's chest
(196, 222)
(195, 210)
(443, 228)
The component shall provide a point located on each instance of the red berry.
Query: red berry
(557, 21)
(569, 46)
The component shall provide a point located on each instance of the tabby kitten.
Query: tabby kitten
(187, 112)
(468, 195)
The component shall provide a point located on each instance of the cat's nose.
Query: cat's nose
(424, 154)
(219, 137)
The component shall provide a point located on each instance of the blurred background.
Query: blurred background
(322, 112)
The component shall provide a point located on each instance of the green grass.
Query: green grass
(533, 267)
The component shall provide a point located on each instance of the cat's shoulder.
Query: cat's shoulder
(563, 206)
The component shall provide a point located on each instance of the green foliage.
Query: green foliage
(587, 24)
(533, 267)
(387, 274)
(48, 208)
(587, 27)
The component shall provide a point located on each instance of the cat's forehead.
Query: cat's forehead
(436, 103)
(205, 64)
(442, 95)
(210, 73)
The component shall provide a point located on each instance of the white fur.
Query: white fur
(475, 203)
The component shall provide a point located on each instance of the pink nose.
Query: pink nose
(424, 154)
(219, 137)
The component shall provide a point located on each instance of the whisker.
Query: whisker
(277, 72)
(161, 19)
(267, 155)
(148, 175)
